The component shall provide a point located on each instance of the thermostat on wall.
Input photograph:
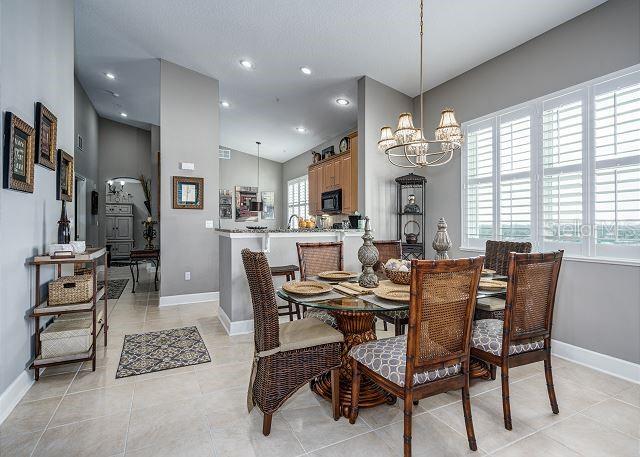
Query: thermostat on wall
(187, 166)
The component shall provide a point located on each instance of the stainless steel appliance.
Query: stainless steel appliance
(332, 202)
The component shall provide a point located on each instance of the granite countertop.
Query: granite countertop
(279, 230)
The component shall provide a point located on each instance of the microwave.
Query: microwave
(332, 202)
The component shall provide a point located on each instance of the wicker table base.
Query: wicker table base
(357, 328)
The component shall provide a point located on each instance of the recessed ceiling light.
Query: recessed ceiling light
(225, 104)
(110, 75)
(301, 129)
(123, 114)
(342, 101)
(305, 70)
(247, 64)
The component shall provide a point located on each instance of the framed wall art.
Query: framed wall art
(244, 196)
(188, 192)
(226, 201)
(268, 205)
(46, 137)
(19, 141)
(64, 176)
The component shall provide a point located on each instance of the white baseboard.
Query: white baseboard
(610, 365)
(14, 393)
(171, 300)
(237, 327)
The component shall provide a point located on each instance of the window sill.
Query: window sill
(579, 258)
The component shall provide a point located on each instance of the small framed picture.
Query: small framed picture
(188, 192)
(19, 140)
(64, 176)
(46, 137)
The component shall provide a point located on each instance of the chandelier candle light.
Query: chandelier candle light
(407, 146)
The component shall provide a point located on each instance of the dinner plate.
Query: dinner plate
(339, 275)
(394, 294)
(306, 287)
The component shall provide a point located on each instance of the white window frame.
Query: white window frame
(585, 92)
(305, 203)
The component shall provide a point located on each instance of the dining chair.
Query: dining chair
(315, 258)
(289, 355)
(390, 249)
(496, 254)
(433, 357)
(524, 336)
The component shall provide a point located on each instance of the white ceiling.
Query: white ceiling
(340, 40)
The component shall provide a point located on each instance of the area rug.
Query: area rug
(116, 286)
(163, 350)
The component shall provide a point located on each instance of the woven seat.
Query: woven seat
(288, 356)
(387, 357)
(487, 336)
(525, 334)
(434, 355)
(315, 258)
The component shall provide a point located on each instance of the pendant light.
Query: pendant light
(256, 205)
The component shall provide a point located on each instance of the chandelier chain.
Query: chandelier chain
(421, 44)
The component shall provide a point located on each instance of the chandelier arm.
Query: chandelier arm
(398, 165)
(415, 164)
(438, 163)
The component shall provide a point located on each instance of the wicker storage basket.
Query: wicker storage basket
(66, 336)
(398, 277)
(70, 289)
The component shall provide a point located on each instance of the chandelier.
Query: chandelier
(407, 146)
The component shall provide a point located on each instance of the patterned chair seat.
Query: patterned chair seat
(487, 336)
(387, 357)
(322, 315)
(402, 314)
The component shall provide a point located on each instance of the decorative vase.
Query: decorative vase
(441, 242)
(368, 256)
(64, 229)
(149, 233)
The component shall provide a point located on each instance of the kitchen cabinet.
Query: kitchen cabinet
(315, 189)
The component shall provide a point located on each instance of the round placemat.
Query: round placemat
(306, 287)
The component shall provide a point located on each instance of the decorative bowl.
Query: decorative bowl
(398, 277)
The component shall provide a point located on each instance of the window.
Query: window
(298, 197)
(562, 171)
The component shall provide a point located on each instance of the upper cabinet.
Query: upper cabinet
(337, 172)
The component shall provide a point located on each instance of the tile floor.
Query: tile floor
(201, 410)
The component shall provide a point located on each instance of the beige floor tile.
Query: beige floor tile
(18, 444)
(59, 369)
(315, 428)
(618, 415)
(49, 386)
(175, 387)
(384, 414)
(29, 416)
(486, 410)
(201, 446)
(102, 377)
(241, 352)
(230, 376)
(245, 439)
(96, 438)
(303, 398)
(93, 404)
(367, 445)
(536, 444)
(429, 437)
(167, 425)
(156, 325)
(165, 312)
(631, 395)
(440, 400)
(224, 407)
(592, 379)
(592, 439)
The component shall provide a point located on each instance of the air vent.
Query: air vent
(224, 154)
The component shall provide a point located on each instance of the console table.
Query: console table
(143, 255)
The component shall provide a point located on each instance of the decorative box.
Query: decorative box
(58, 247)
(70, 289)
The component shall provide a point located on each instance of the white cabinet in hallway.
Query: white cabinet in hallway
(119, 229)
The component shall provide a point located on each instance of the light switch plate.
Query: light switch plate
(187, 166)
(208, 224)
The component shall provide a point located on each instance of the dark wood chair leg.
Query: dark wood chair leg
(297, 311)
(266, 425)
(384, 325)
(468, 421)
(550, 389)
(416, 402)
(335, 393)
(355, 392)
(494, 370)
(398, 327)
(506, 405)
(408, 413)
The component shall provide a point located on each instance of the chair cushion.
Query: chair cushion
(487, 336)
(322, 315)
(402, 314)
(307, 332)
(388, 358)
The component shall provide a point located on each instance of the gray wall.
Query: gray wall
(155, 177)
(378, 105)
(86, 159)
(124, 151)
(189, 132)
(299, 165)
(596, 43)
(242, 170)
(37, 46)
